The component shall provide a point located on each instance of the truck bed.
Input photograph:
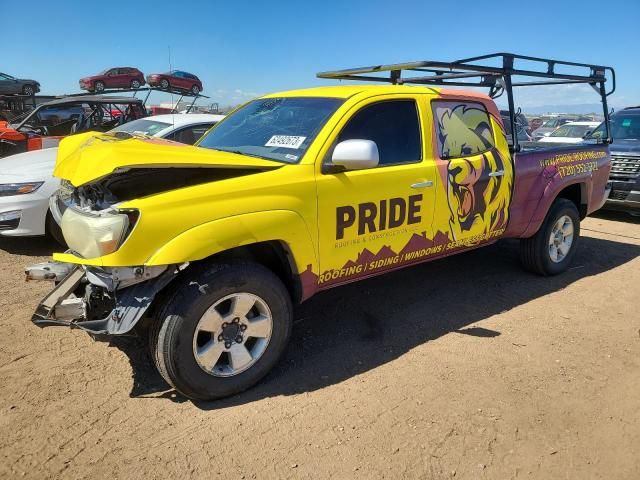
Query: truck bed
(579, 172)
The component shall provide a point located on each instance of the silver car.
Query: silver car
(549, 126)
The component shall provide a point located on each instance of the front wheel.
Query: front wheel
(552, 248)
(28, 90)
(98, 86)
(135, 83)
(164, 84)
(222, 330)
(195, 89)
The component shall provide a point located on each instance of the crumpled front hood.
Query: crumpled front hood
(87, 157)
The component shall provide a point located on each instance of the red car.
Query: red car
(175, 80)
(120, 77)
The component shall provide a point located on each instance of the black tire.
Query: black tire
(29, 90)
(164, 84)
(98, 86)
(535, 251)
(53, 230)
(195, 89)
(135, 83)
(171, 336)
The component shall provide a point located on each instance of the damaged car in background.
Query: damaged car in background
(27, 183)
(45, 126)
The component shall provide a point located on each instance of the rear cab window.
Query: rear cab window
(462, 128)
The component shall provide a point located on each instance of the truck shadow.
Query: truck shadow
(616, 216)
(352, 329)
(30, 246)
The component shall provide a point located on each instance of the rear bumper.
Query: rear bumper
(90, 298)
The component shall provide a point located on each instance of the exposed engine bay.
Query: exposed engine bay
(131, 183)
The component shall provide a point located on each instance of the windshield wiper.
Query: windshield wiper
(238, 152)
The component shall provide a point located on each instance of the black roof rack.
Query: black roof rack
(93, 98)
(475, 72)
(182, 93)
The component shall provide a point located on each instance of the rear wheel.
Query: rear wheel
(552, 248)
(164, 83)
(98, 86)
(222, 330)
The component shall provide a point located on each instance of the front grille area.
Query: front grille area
(10, 224)
(618, 195)
(624, 168)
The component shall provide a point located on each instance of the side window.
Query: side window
(394, 127)
(189, 135)
(462, 128)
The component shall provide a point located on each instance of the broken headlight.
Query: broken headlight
(95, 234)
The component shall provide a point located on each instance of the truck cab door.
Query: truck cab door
(475, 170)
(368, 218)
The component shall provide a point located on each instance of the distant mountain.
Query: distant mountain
(577, 108)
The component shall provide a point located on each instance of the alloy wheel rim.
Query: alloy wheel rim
(232, 334)
(561, 239)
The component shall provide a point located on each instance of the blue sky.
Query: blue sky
(244, 48)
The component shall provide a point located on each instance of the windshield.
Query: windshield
(572, 131)
(279, 129)
(623, 127)
(6, 77)
(142, 126)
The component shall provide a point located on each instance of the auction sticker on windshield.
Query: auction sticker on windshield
(285, 141)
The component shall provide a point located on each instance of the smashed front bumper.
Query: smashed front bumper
(124, 295)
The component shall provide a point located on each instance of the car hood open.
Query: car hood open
(87, 157)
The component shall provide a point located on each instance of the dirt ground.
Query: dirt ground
(466, 368)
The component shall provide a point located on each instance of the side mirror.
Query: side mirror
(586, 135)
(356, 154)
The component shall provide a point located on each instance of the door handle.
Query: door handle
(428, 183)
(499, 173)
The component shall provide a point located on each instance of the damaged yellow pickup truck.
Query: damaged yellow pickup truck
(204, 249)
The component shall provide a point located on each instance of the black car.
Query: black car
(625, 160)
(11, 85)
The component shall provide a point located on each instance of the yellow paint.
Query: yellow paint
(295, 204)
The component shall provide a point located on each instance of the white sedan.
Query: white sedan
(27, 181)
(572, 132)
